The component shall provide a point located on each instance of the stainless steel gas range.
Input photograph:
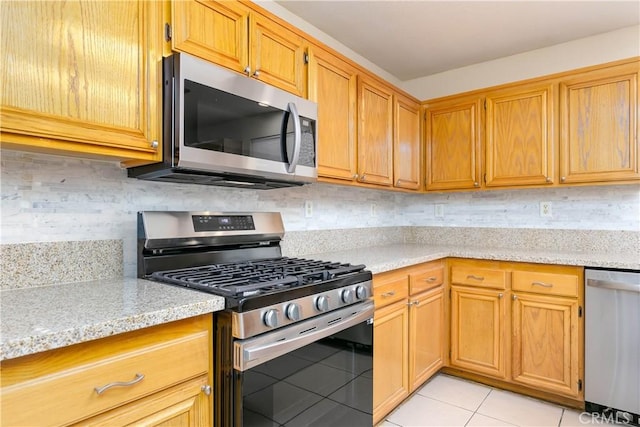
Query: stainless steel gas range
(294, 345)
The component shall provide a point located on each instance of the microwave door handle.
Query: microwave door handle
(297, 137)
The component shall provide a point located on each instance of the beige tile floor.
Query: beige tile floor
(450, 401)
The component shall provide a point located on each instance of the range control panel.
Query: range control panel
(222, 222)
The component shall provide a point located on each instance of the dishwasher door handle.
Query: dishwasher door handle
(608, 284)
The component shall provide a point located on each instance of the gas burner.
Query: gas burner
(257, 277)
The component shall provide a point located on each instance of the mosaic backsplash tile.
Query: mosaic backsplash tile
(49, 198)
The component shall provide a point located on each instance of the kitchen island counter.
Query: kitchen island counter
(48, 317)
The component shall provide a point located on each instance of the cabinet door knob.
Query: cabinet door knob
(137, 379)
(549, 180)
(476, 184)
(355, 176)
(514, 297)
(247, 70)
(206, 389)
(256, 73)
(154, 144)
(563, 178)
(500, 295)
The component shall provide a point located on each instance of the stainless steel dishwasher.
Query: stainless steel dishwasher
(612, 344)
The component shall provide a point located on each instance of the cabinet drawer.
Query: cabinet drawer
(425, 280)
(546, 283)
(390, 290)
(481, 277)
(162, 365)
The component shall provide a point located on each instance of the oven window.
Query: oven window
(326, 383)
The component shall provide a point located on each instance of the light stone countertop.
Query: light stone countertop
(379, 259)
(48, 317)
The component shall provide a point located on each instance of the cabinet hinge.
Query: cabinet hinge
(579, 385)
(167, 32)
(580, 311)
(306, 58)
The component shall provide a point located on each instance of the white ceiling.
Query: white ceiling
(418, 38)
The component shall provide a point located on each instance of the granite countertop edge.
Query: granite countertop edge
(32, 323)
(39, 319)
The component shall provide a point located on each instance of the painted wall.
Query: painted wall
(607, 47)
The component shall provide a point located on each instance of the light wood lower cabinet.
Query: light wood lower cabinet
(409, 338)
(155, 376)
(478, 330)
(527, 330)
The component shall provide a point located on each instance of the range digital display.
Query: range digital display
(222, 222)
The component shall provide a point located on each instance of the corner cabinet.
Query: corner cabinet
(82, 78)
(599, 125)
(154, 376)
(519, 325)
(409, 342)
(452, 141)
(407, 152)
(235, 36)
(333, 86)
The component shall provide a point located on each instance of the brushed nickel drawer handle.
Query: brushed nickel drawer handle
(471, 276)
(388, 294)
(430, 279)
(544, 285)
(137, 379)
(413, 303)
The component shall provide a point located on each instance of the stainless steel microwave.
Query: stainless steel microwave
(223, 128)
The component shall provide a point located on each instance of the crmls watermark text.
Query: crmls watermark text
(613, 417)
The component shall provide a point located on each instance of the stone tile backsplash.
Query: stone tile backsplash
(48, 198)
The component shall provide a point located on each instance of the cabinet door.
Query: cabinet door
(406, 144)
(478, 334)
(545, 343)
(375, 140)
(426, 336)
(212, 30)
(184, 405)
(520, 138)
(277, 55)
(599, 114)
(332, 84)
(452, 141)
(82, 78)
(390, 358)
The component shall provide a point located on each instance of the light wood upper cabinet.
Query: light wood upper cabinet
(234, 36)
(599, 125)
(333, 85)
(375, 132)
(406, 144)
(212, 30)
(520, 137)
(82, 78)
(452, 144)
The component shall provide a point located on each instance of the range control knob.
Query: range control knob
(361, 292)
(270, 318)
(293, 312)
(347, 296)
(322, 303)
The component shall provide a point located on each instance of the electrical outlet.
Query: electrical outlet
(546, 210)
(308, 209)
(439, 210)
(374, 210)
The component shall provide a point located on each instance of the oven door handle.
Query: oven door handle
(255, 351)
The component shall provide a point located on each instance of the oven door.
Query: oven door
(318, 372)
